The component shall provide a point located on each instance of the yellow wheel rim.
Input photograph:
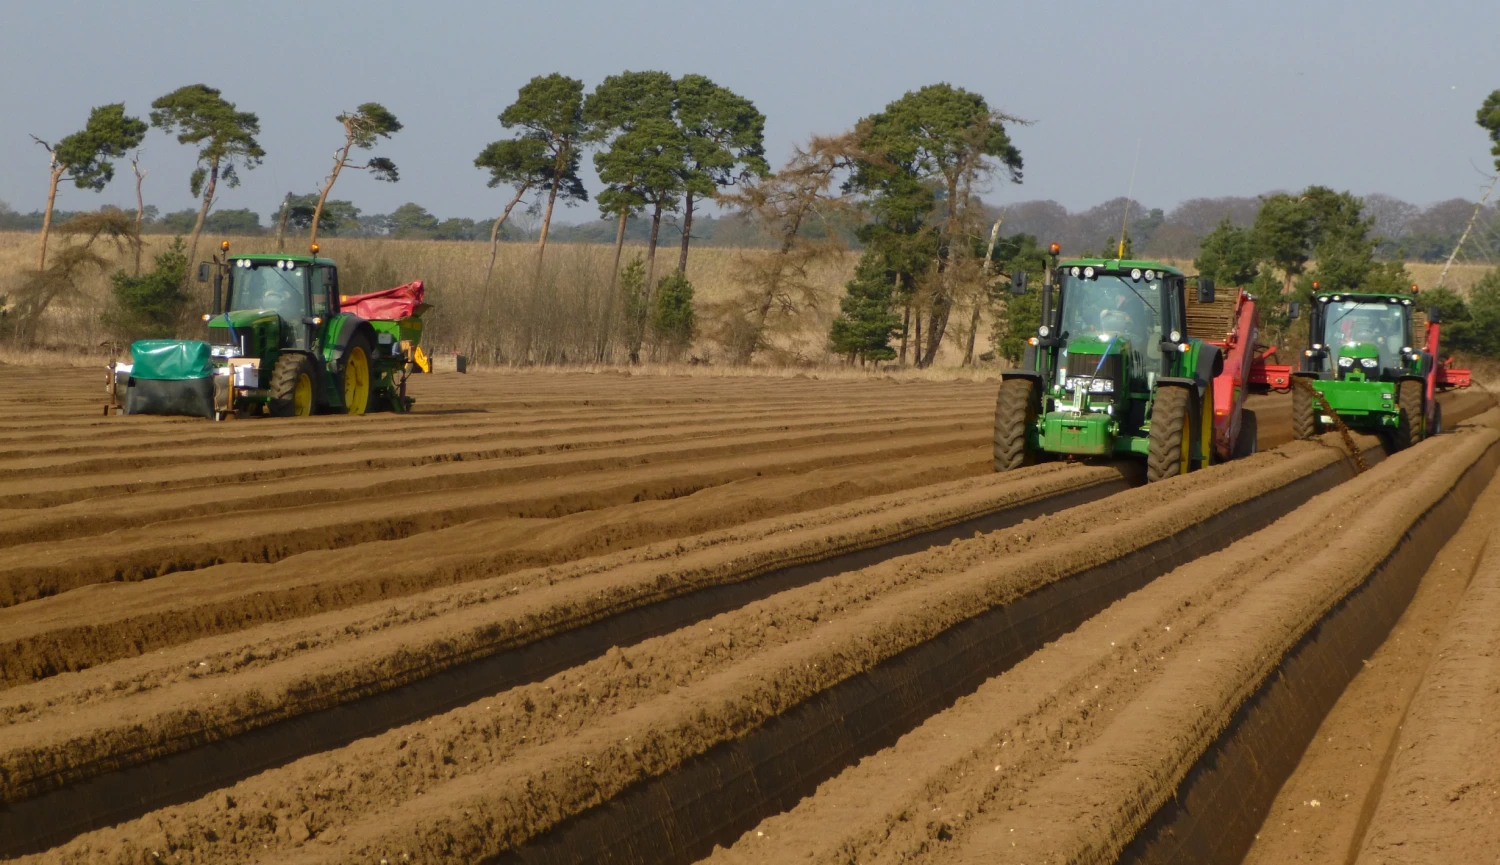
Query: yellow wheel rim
(302, 396)
(1208, 427)
(356, 381)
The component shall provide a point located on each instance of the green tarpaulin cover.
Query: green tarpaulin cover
(170, 359)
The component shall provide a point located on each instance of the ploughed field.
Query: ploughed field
(610, 618)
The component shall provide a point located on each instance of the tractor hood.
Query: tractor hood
(1097, 344)
(245, 318)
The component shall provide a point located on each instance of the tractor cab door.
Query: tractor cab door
(322, 301)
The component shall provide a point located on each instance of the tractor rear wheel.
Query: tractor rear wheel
(293, 393)
(1206, 427)
(1015, 412)
(1248, 443)
(1304, 416)
(356, 376)
(1409, 399)
(1171, 445)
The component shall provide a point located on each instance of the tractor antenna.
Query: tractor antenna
(1129, 199)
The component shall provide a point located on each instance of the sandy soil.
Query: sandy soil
(1440, 800)
(1324, 810)
(613, 579)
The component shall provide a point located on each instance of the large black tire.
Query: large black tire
(293, 372)
(1248, 443)
(1304, 414)
(1171, 433)
(1015, 412)
(1410, 397)
(356, 379)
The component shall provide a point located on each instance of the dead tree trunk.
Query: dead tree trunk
(614, 273)
(208, 201)
(286, 206)
(140, 208)
(687, 232)
(56, 177)
(495, 232)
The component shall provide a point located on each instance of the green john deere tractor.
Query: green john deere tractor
(1365, 365)
(280, 340)
(1111, 371)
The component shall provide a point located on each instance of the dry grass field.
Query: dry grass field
(565, 318)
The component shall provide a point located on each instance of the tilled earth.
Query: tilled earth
(602, 617)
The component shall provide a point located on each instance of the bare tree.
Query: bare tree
(785, 205)
(140, 205)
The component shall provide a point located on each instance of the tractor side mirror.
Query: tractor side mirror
(203, 271)
(1434, 315)
(1205, 289)
(1018, 282)
(1293, 310)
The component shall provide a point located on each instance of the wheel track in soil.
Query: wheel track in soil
(435, 612)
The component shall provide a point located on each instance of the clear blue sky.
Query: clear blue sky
(1228, 99)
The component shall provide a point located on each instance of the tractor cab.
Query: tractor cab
(273, 302)
(1362, 337)
(1113, 318)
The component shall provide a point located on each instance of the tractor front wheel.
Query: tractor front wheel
(1304, 416)
(1015, 413)
(1171, 445)
(356, 375)
(292, 390)
(1409, 419)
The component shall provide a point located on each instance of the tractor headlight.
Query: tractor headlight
(1043, 330)
(1369, 362)
(1135, 274)
(1346, 362)
(224, 351)
(1088, 273)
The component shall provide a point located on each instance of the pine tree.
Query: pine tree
(866, 320)
(672, 321)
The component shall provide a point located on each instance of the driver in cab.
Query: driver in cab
(1126, 317)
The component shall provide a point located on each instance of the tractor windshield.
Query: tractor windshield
(267, 286)
(1378, 323)
(1114, 305)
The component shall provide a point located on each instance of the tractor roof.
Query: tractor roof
(1366, 295)
(280, 256)
(1125, 264)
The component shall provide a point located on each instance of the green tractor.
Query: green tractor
(280, 341)
(1364, 368)
(1111, 371)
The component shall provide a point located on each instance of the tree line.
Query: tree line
(905, 184)
(925, 250)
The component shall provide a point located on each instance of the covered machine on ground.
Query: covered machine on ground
(1125, 362)
(280, 340)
